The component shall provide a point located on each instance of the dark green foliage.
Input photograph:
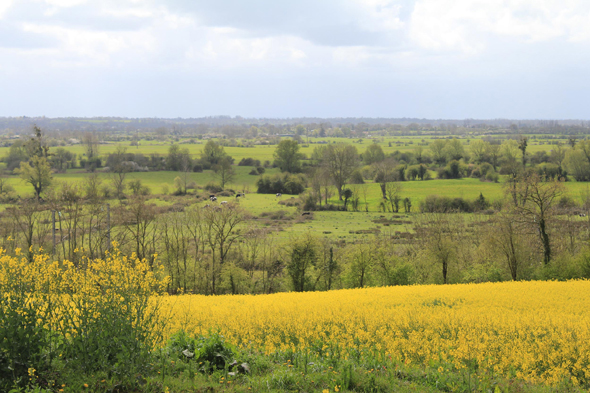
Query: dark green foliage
(439, 204)
(453, 170)
(213, 188)
(287, 156)
(249, 162)
(303, 257)
(416, 172)
(281, 183)
(357, 177)
(23, 339)
(211, 352)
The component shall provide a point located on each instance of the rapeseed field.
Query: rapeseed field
(533, 331)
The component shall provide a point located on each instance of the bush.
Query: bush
(99, 316)
(438, 204)
(492, 177)
(401, 275)
(549, 171)
(138, 188)
(210, 352)
(213, 188)
(91, 164)
(281, 183)
(566, 202)
(249, 162)
(453, 170)
(415, 172)
(25, 310)
(357, 177)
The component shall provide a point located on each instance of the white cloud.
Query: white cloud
(65, 3)
(4, 6)
(379, 15)
(468, 25)
(90, 48)
(346, 46)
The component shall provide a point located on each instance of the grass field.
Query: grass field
(265, 152)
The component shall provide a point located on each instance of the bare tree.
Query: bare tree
(224, 172)
(506, 237)
(535, 203)
(90, 142)
(340, 161)
(439, 234)
(119, 171)
(29, 223)
(220, 226)
(393, 190)
(140, 223)
(384, 173)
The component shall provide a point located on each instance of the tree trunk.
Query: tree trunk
(545, 241)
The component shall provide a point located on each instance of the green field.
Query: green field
(265, 152)
(338, 225)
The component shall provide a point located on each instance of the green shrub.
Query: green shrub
(281, 183)
(212, 352)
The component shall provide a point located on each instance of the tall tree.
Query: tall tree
(385, 173)
(36, 172)
(535, 207)
(213, 153)
(373, 154)
(340, 161)
(479, 150)
(90, 142)
(287, 156)
(437, 149)
(522, 145)
(303, 257)
(224, 172)
(119, 170)
(220, 228)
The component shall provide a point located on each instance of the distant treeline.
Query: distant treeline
(238, 125)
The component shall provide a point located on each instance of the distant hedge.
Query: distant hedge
(281, 183)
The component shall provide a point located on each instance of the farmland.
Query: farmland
(535, 331)
(509, 337)
(313, 291)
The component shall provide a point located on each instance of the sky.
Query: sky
(437, 59)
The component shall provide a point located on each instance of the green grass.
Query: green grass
(265, 152)
(154, 180)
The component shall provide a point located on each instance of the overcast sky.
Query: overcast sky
(274, 58)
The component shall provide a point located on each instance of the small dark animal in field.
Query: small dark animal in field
(582, 215)
(279, 194)
(213, 198)
(238, 195)
(306, 213)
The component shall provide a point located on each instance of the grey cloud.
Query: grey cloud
(328, 22)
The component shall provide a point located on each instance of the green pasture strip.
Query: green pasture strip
(265, 152)
(154, 180)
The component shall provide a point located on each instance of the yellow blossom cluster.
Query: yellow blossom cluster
(534, 331)
(71, 298)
